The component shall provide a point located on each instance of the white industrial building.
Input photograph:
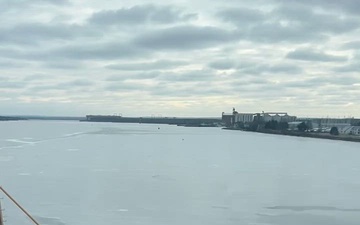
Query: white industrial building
(265, 116)
(331, 122)
(277, 116)
(244, 117)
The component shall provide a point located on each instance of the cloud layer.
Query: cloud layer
(182, 59)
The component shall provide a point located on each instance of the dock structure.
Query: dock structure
(18, 205)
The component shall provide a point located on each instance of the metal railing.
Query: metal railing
(18, 205)
(1, 216)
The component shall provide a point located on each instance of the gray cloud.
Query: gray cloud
(347, 6)
(310, 55)
(126, 86)
(256, 67)
(223, 64)
(44, 88)
(153, 65)
(318, 82)
(184, 38)
(53, 2)
(12, 64)
(35, 33)
(140, 14)
(162, 57)
(251, 80)
(6, 5)
(313, 22)
(284, 68)
(63, 65)
(275, 32)
(255, 88)
(259, 69)
(242, 16)
(77, 52)
(62, 86)
(87, 51)
(163, 76)
(353, 67)
(37, 77)
(288, 23)
(77, 83)
(9, 84)
(258, 26)
(136, 76)
(195, 90)
(188, 76)
(351, 45)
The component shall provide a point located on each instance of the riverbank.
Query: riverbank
(179, 121)
(305, 134)
(10, 118)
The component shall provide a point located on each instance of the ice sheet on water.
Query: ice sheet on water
(309, 208)
(220, 207)
(24, 174)
(5, 144)
(17, 142)
(28, 138)
(125, 175)
(122, 210)
(49, 220)
(75, 134)
(73, 150)
(162, 177)
(21, 141)
(105, 170)
(302, 219)
(6, 158)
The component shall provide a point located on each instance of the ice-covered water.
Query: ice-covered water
(72, 173)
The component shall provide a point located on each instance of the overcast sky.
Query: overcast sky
(180, 57)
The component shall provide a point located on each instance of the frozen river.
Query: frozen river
(72, 173)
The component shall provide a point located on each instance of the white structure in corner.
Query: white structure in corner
(244, 117)
(352, 130)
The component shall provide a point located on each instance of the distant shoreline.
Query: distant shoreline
(11, 118)
(15, 118)
(179, 121)
(304, 134)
